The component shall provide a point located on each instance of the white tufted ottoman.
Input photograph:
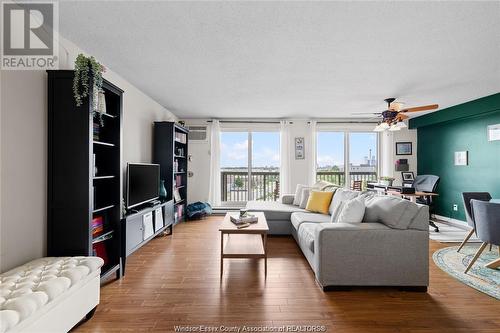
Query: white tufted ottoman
(49, 294)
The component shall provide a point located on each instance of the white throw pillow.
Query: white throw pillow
(340, 196)
(298, 194)
(352, 211)
(304, 197)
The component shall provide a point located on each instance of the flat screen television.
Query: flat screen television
(143, 183)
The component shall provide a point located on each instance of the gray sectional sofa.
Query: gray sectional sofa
(389, 248)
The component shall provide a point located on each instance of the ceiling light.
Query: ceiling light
(395, 127)
(381, 127)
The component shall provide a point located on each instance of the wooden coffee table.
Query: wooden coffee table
(249, 242)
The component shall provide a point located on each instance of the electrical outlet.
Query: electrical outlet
(455, 207)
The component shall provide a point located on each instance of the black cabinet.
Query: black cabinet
(170, 151)
(84, 203)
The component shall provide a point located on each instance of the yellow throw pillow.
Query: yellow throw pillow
(319, 201)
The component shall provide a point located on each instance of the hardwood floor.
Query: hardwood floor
(174, 280)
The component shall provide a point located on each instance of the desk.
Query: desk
(412, 196)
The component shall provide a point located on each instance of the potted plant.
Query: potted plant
(387, 181)
(88, 80)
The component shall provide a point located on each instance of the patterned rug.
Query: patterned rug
(479, 277)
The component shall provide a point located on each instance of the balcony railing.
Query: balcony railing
(265, 185)
(338, 177)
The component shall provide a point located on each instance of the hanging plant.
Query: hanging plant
(88, 71)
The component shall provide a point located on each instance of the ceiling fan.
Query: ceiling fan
(393, 118)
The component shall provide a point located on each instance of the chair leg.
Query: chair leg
(432, 224)
(478, 253)
(465, 240)
(494, 264)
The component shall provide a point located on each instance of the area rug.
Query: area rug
(479, 277)
(450, 234)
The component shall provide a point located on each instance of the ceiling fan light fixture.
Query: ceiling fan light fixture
(381, 127)
(394, 127)
(401, 124)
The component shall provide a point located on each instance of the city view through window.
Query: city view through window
(262, 164)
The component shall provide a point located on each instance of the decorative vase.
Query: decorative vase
(163, 191)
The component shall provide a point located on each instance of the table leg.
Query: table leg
(265, 255)
(221, 253)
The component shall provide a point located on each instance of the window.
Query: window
(253, 156)
(330, 157)
(343, 157)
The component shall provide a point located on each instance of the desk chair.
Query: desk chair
(467, 197)
(486, 217)
(427, 183)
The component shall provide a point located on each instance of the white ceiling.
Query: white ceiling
(293, 59)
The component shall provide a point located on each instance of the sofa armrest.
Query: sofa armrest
(287, 199)
(370, 254)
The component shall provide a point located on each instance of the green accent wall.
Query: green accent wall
(458, 128)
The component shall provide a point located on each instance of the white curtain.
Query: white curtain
(312, 153)
(285, 156)
(214, 194)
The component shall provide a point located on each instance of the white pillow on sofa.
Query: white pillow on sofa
(298, 194)
(304, 198)
(351, 211)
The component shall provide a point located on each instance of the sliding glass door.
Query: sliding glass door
(346, 157)
(249, 167)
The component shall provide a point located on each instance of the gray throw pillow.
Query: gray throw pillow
(298, 194)
(394, 212)
(304, 198)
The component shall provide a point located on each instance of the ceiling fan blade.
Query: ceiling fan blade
(377, 113)
(421, 108)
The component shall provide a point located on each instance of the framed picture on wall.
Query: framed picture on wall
(299, 148)
(403, 148)
(407, 176)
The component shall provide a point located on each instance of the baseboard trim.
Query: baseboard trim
(451, 221)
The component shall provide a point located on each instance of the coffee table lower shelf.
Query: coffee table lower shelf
(243, 246)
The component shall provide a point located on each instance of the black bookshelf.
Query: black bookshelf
(170, 151)
(84, 173)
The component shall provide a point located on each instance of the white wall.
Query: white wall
(198, 185)
(389, 157)
(23, 145)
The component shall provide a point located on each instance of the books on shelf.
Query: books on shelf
(180, 137)
(97, 226)
(248, 218)
(178, 180)
(177, 195)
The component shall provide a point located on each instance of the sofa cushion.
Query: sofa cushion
(351, 211)
(273, 210)
(394, 212)
(339, 197)
(298, 218)
(319, 201)
(306, 235)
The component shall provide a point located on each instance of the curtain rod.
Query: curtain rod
(246, 122)
(345, 122)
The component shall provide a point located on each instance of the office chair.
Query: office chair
(467, 197)
(427, 183)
